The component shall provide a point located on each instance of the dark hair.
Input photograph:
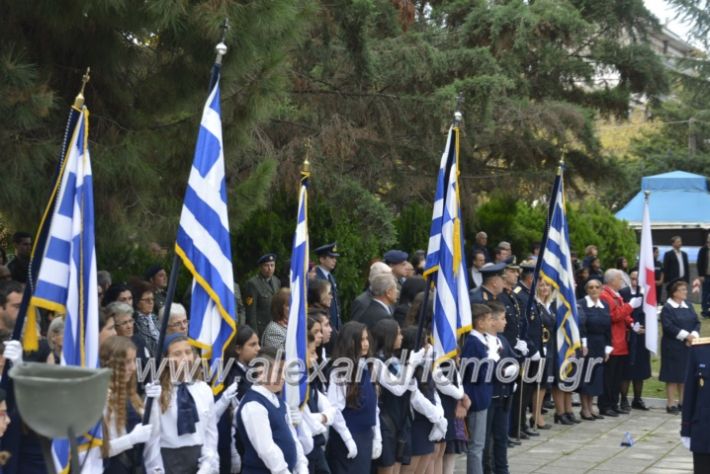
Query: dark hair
(411, 287)
(479, 311)
(674, 286)
(384, 333)
(19, 236)
(620, 261)
(272, 354)
(310, 323)
(112, 293)
(349, 346)
(318, 313)
(104, 316)
(7, 287)
(3, 395)
(244, 333)
(278, 301)
(315, 290)
(412, 318)
(416, 260)
(496, 307)
(140, 288)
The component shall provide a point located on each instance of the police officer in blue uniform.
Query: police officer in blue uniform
(695, 422)
(327, 260)
(492, 285)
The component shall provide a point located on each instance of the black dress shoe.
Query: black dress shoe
(672, 410)
(597, 416)
(572, 418)
(513, 441)
(543, 427)
(624, 405)
(529, 432)
(512, 445)
(638, 404)
(523, 435)
(562, 420)
(609, 412)
(585, 417)
(544, 410)
(621, 411)
(549, 404)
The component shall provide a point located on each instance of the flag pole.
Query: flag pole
(456, 122)
(221, 49)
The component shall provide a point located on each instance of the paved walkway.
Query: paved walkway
(594, 447)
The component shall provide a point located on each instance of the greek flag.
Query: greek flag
(203, 241)
(556, 269)
(66, 281)
(296, 390)
(445, 256)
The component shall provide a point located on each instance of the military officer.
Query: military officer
(397, 260)
(695, 424)
(258, 292)
(492, 285)
(327, 260)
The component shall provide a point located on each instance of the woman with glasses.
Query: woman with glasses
(177, 322)
(125, 326)
(146, 322)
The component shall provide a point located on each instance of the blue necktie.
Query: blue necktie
(187, 415)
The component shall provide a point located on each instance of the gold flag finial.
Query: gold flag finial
(79, 99)
(306, 168)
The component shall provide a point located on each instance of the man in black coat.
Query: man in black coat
(704, 276)
(695, 428)
(675, 263)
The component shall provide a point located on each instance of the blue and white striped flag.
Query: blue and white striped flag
(203, 241)
(66, 281)
(445, 256)
(556, 269)
(296, 332)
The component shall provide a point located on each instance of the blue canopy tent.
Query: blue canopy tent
(679, 205)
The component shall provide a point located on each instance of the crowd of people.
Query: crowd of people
(399, 411)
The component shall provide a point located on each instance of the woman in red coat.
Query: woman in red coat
(621, 321)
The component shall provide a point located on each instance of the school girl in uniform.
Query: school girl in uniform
(318, 413)
(394, 401)
(428, 422)
(355, 437)
(456, 404)
(188, 427)
(124, 432)
(242, 350)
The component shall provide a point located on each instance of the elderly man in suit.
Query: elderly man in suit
(675, 263)
(384, 296)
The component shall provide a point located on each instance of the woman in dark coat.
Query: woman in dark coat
(639, 367)
(545, 308)
(680, 326)
(597, 341)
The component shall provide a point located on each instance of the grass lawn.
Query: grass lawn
(652, 387)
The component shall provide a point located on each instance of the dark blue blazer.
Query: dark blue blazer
(335, 304)
(477, 383)
(695, 421)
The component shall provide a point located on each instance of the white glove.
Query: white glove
(13, 352)
(352, 448)
(140, 434)
(535, 357)
(296, 417)
(522, 347)
(636, 327)
(412, 387)
(416, 358)
(153, 390)
(436, 434)
(376, 448)
(221, 405)
(230, 392)
(636, 302)
(685, 441)
(511, 371)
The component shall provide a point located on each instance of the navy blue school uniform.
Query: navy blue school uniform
(395, 423)
(597, 330)
(455, 430)
(280, 432)
(548, 331)
(359, 421)
(695, 417)
(316, 458)
(496, 450)
(129, 461)
(476, 386)
(674, 353)
(639, 363)
(224, 426)
(421, 426)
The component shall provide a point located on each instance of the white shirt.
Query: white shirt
(452, 388)
(119, 442)
(675, 305)
(681, 267)
(476, 276)
(205, 434)
(592, 304)
(389, 310)
(254, 419)
(336, 397)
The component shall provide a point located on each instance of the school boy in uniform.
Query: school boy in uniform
(496, 451)
(477, 378)
(265, 437)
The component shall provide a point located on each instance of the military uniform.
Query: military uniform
(330, 250)
(695, 421)
(258, 292)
